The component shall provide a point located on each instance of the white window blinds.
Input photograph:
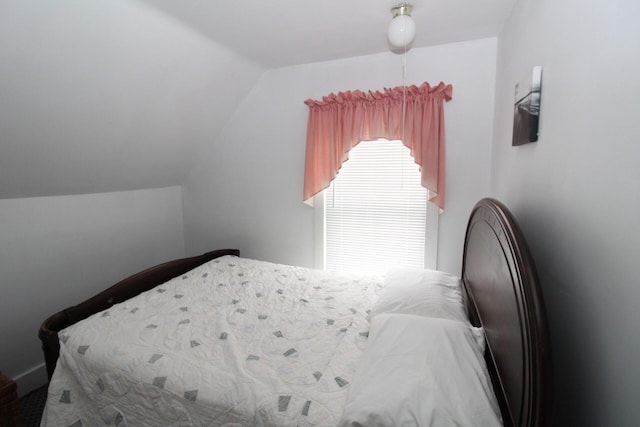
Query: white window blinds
(376, 210)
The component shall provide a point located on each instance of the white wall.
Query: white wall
(101, 96)
(576, 193)
(57, 251)
(247, 193)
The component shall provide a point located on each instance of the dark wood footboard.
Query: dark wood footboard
(121, 291)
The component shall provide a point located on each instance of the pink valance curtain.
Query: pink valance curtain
(339, 122)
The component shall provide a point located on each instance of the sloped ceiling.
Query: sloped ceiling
(106, 95)
(276, 33)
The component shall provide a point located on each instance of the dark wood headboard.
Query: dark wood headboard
(504, 296)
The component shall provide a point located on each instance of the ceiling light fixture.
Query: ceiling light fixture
(402, 29)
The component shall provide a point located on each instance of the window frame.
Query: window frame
(430, 238)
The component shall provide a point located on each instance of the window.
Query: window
(375, 214)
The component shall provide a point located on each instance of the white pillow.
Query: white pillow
(421, 292)
(478, 334)
(420, 371)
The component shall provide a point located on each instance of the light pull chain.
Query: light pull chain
(404, 104)
(404, 91)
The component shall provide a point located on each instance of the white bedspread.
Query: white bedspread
(233, 342)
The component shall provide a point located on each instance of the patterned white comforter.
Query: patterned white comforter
(233, 342)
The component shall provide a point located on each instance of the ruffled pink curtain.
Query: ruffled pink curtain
(339, 122)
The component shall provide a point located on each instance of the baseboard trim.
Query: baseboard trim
(32, 379)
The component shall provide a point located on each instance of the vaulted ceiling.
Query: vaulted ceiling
(120, 95)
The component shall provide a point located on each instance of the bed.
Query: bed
(218, 339)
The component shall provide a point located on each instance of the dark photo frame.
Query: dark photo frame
(526, 110)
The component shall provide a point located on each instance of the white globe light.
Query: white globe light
(402, 31)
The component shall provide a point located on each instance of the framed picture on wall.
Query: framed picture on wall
(526, 110)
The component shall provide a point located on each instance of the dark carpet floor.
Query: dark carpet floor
(32, 406)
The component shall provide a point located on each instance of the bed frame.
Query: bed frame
(501, 291)
(503, 295)
(121, 291)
